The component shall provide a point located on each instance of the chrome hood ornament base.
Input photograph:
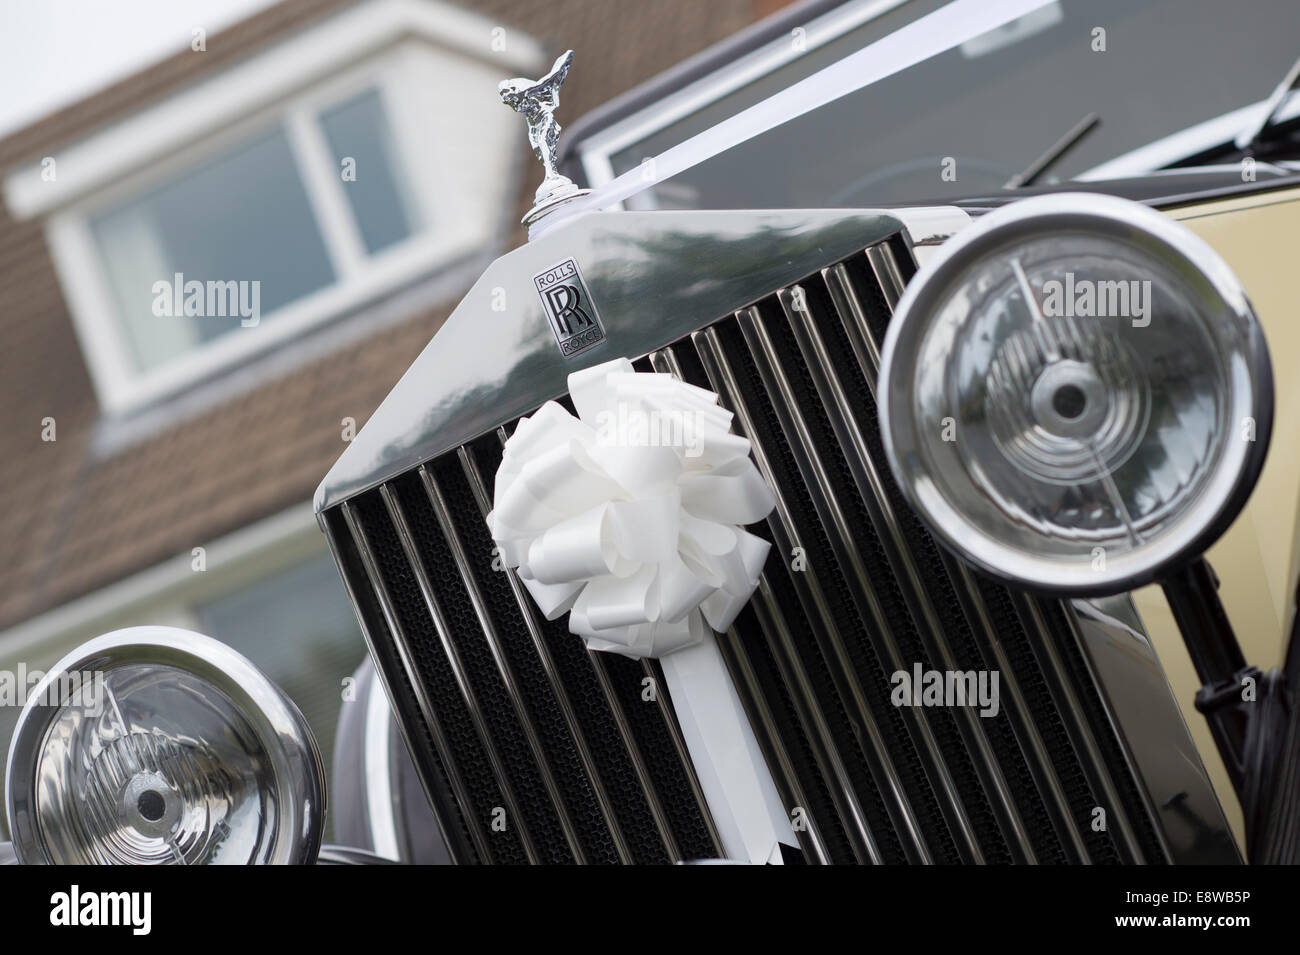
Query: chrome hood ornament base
(536, 101)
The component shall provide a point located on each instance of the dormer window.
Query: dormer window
(290, 191)
(194, 232)
(239, 237)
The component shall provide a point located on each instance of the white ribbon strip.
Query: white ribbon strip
(733, 774)
(630, 518)
(949, 26)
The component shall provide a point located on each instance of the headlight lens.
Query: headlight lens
(1076, 394)
(155, 745)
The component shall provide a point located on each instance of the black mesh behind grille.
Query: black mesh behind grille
(506, 710)
(934, 566)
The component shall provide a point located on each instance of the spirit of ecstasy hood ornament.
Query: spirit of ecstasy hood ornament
(536, 101)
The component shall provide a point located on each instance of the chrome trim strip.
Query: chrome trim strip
(443, 516)
(782, 526)
(781, 644)
(427, 711)
(403, 529)
(799, 438)
(927, 226)
(854, 319)
(1075, 719)
(1162, 756)
(664, 827)
(1040, 763)
(885, 268)
(376, 750)
(598, 663)
(830, 391)
(526, 610)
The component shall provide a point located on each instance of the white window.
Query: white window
(244, 218)
(336, 168)
(239, 237)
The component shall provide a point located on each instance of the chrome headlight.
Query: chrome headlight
(157, 745)
(1076, 394)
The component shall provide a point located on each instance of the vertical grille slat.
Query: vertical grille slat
(757, 708)
(877, 652)
(861, 322)
(654, 806)
(1141, 841)
(548, 668)
(817, 607)
(502, 708)
(1101, 785)
(556, 810)
(478, 713)
(416, 720)
(415, 679)
(1068, 845)
(920, 591)
(608, 731)
(759, 713)
(832, 774)
(623, 716)
(455, 682)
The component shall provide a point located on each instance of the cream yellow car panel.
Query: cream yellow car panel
(1258, 558)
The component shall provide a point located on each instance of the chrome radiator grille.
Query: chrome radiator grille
(511, 721)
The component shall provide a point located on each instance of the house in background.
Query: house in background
(344, 170)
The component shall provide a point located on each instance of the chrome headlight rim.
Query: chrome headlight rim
(300, 778)
(1250, 390)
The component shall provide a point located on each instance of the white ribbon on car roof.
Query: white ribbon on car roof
(935, 33)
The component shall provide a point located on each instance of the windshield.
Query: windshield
(966, 121)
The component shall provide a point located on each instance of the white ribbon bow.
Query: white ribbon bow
(629, 516)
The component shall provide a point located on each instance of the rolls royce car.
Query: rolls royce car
(880, 450)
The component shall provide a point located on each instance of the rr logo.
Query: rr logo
(569, 308)
(564, 302)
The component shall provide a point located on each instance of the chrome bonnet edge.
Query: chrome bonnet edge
(1161, 753)
(653, 276)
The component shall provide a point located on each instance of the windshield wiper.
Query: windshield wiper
(1058, 149)
(1251, 135)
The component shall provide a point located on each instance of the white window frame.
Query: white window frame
(387, 46)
